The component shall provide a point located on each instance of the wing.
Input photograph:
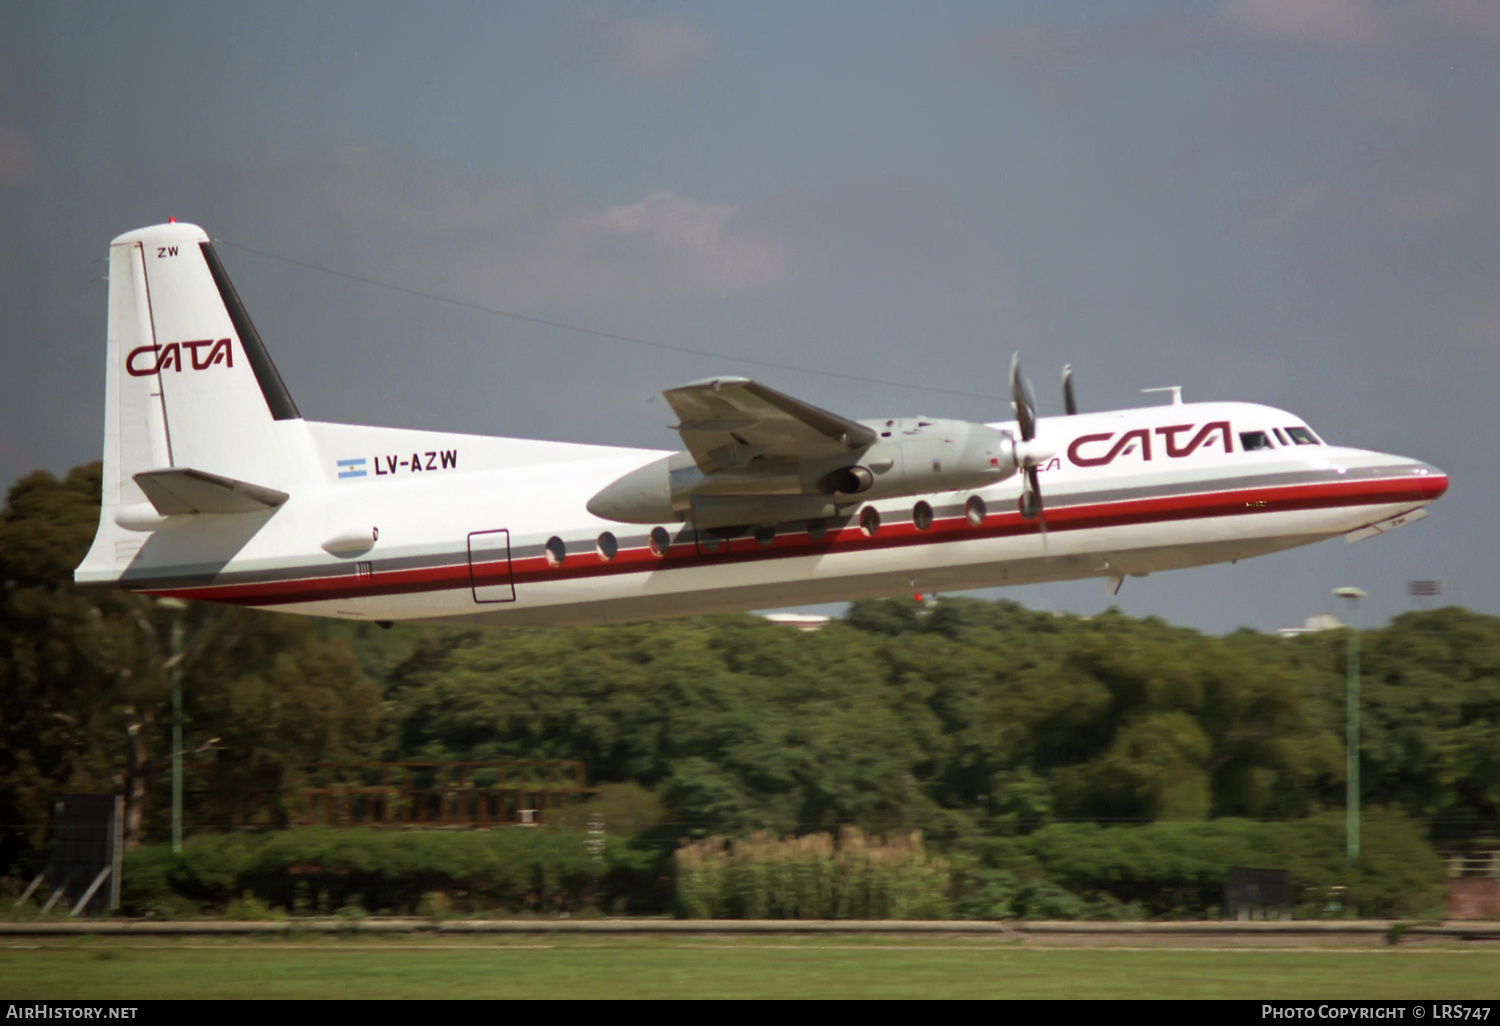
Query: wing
(727, 422)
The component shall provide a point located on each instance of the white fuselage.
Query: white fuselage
(468, 529)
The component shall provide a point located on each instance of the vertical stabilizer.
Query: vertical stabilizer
(191, 393)
(191, 383)
(135, 432)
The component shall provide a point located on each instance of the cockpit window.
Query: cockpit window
(1302, 436)
(1280, 437)
(1252, 440)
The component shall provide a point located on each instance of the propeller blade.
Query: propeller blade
(1027, 456)
(1036, 489)
(1030, 503)
(1020, 397)
(1069, 402)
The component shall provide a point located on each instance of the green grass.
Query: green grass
(653, 967)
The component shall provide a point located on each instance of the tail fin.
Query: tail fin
(189, 384)
(197, 420)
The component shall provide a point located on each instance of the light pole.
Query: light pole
(177, 608)
(1351, 721)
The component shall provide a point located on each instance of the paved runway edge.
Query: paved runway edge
(1272, 932)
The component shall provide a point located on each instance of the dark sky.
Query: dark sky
(1292, 202)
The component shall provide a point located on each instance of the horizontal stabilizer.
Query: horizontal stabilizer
(182, 490)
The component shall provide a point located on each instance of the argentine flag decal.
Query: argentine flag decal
(352, 468)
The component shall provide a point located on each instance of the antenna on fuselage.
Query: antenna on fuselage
(1176, 391)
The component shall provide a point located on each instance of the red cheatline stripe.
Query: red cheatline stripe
(535, 569)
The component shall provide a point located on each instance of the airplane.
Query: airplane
(216, 488)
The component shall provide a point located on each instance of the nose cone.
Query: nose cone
(1409, 480)
(1431, 481)
(1383, 475)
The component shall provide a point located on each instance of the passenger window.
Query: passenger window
(607, 546)
(1252, 440)
(921, 516)
(556, 551)
(1302, 436)
(660, 542)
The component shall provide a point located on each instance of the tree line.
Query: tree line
(966, 720)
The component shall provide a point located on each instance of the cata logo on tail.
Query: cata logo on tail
(157, 359)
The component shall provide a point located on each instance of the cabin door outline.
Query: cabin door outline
(490, 575)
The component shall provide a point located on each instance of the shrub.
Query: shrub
(1063, 871)
(626, 810)
(763, 877)
(148, 882)
(249, 908)
(319, 869)
(1173, 868)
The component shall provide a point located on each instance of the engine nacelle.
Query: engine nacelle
(913, 456)
(917, 456)
(643, 496)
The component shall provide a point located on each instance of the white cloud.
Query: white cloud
(522, 248)
(19, 164)
(1476, 324)
(1355, 25)
(666, 245)
(1415, 209)
(1038, 44)
(1473, 20)
(1364, 24)
(1390, 99)
(1331, 23)
(1054, 57)
(661, 49)
(1288, 211)
(1451, 183)
(10, 270)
